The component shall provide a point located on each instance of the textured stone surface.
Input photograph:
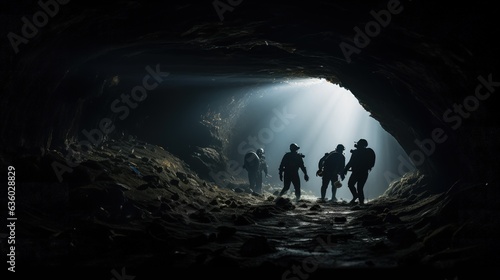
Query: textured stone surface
(429, 58)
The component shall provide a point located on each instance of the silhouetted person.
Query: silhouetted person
(289, 170)
(362, 160)
(251, 163)
(262, 168)
(331, 166)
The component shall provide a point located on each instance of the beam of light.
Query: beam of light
(326, 115)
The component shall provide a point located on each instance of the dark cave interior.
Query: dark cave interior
(116, 115)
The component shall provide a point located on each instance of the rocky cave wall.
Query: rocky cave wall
(420, 60)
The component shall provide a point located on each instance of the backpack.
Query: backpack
(322, 161)
(368, 160)
(251, 161)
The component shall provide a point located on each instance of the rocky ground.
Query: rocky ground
(134, 208)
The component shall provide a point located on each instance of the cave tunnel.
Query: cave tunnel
(125, 123)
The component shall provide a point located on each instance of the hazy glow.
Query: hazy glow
(325, 115)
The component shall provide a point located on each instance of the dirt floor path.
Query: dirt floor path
(138, 207)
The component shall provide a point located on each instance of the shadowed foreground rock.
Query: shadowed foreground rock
(160, 217)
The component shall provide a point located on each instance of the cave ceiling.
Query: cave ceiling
(406, 62)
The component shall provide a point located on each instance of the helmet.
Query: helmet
(260, 151)
(340, 148)
(294, 147)
(361, 143)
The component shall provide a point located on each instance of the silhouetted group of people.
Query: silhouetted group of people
(330, 167)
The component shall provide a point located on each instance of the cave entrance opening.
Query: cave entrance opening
(265, 112)
(317, 115)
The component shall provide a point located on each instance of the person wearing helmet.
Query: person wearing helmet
(255, 164)
(331, 166)
(361, 162)
(289, 170)
(262, 168)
